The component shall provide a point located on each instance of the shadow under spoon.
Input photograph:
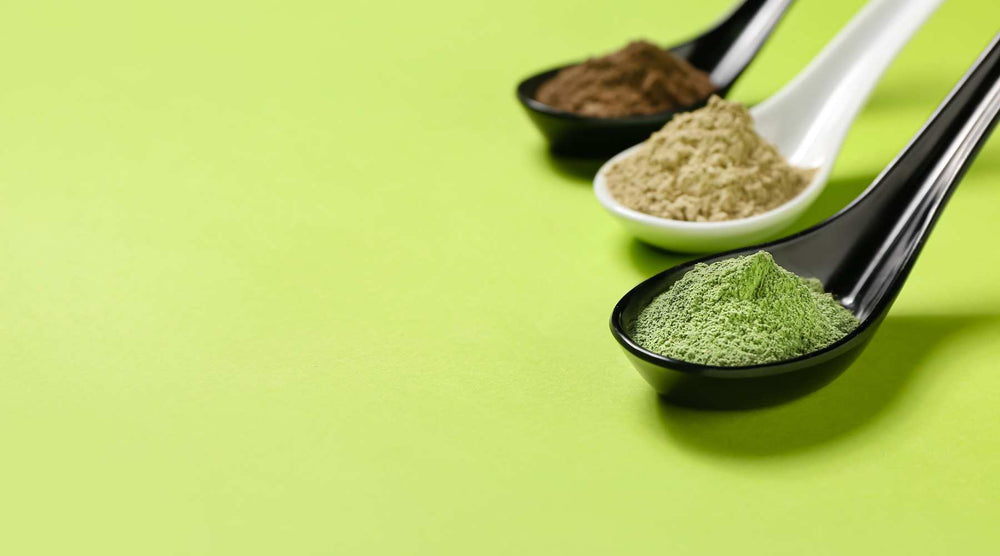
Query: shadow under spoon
(723, 52)
(862, 255)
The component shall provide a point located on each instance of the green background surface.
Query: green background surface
(300, 278)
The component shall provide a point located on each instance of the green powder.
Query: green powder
(742, 311)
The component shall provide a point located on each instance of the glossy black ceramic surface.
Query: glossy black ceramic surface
(735, 40)
(862, 255)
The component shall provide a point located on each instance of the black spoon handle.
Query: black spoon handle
(897, 212)
(728, 48)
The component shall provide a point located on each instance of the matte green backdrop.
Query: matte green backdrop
(300, 278)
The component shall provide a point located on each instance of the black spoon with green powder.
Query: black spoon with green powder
(861, 256)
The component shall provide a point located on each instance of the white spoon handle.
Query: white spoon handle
(809, 117)
(750, 39)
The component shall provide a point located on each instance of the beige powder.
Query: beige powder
(706, 165)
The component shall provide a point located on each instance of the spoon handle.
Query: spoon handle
(729, 47)
(809, 117)
(896, 213)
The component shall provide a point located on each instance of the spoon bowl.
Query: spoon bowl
(712, 387)
(703, 237)
(723, 52)
(807, 121)
(862, 255)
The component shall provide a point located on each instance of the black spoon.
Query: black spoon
(723, 52)
(863, 254)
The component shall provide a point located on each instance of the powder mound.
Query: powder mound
(742, 311)
(641, 78)
(706, 165)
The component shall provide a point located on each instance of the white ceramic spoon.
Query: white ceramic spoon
(807, 120)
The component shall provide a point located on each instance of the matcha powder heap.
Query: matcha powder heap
(742, 311)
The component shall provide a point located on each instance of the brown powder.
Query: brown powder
(706, 165)
(639, 79)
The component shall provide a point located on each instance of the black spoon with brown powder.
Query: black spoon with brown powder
(593, 127)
